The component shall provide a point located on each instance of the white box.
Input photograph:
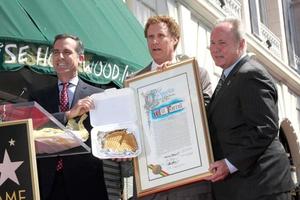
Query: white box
(114, 109)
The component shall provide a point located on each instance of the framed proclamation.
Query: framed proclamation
(18, 169)
(175, 141)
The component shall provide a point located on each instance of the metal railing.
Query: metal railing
(270, 40)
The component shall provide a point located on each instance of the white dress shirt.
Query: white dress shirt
(71, 88)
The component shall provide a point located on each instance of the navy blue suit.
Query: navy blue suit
(82, 176)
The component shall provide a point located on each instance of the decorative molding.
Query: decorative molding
(228, 7)
(272, 42)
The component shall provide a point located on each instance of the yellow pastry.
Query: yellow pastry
(120, 141)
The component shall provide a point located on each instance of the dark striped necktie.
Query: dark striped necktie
(220, 84)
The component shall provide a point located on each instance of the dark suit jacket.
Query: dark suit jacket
(243, 124)
(82, 174)
(199, 190)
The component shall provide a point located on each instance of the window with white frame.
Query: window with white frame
(143, 9)
(263, 12)
(265, 24)
(195, 41)
(194, 34)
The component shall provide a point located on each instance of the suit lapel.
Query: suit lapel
(146, 69)
(80, 92)
(53, 105)
(142, 71)
(226, 84)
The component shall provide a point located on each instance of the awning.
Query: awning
(112, 37)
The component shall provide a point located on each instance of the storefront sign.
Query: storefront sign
(96, 68)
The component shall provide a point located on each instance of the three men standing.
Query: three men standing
(251, 164)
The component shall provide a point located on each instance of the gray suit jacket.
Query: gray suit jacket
(243, 124)
(199, 190)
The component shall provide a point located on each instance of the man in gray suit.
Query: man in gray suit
(251, 163)
(163, 33)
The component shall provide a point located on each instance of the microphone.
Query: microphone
(14, 99)
(24, 89)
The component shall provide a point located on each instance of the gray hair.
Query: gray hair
(237, 27)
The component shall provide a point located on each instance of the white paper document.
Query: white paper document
(172, 142)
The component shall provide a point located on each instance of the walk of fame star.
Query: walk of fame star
(8, 169)
(11, 142)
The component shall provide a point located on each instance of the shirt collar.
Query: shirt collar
(74, 81)
(228, 70)
(154, 64)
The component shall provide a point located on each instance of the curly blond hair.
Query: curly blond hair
(172, 25)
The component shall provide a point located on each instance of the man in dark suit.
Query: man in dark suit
(73, 177)
(163, 33)
(251, 163)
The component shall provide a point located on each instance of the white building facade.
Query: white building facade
(273, 37)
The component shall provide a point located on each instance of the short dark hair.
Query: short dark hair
(79, 48)
(172, 25)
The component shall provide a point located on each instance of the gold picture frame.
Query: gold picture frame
(176, 148)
